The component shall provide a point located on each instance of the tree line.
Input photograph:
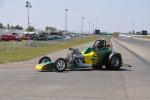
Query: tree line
(18, 27)
(30, 28)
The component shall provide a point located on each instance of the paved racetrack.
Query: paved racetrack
(19, 81)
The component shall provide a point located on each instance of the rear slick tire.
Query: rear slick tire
(114, 62)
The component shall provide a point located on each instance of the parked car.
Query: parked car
(68, 37)
(54, 37)
(10, 38)
(41, 37)
(46, 37)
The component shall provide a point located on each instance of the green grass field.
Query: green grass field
(16, 52)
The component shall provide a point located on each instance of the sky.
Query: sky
(106, 15)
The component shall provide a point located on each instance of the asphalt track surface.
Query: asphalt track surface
(19, 81)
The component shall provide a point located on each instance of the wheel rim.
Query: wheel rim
(60, 65)
(45, 60)
(115, 61)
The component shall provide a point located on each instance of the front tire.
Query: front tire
(60, 65)
(44, 59)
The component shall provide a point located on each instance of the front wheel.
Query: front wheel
(60, 65)
(44, 60)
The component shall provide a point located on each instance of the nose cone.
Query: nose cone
(39, 67)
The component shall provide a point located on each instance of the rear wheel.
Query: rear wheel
(60, 65)
(44, 60)
(114, 62)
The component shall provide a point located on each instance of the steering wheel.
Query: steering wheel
(99, 44)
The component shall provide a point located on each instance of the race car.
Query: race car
(98, 56)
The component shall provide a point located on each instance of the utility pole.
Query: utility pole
(93, 27)
(82, 20)
(89, 27)
(28, 6)
(66, 20)
(133, 26)
(96, 26)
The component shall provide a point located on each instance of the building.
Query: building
(144, 32)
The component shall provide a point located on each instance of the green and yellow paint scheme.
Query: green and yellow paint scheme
(90, 56)
(95, 56)
(44, 66)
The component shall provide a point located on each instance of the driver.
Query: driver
(100, 45)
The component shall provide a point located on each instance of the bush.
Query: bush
(116, 34)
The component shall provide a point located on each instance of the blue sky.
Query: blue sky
(111, 15)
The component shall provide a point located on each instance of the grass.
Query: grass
(22, 54)
(147, 37)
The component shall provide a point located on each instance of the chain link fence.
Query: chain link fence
(14, 45)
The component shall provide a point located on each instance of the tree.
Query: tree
(133, 32)
(30, 29)
(50, 28)
(8, 26)
(1, 26)
(15, 27)
(11, 27)
(18, 27)
(116, 34)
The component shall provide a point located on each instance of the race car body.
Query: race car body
(96, 57)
